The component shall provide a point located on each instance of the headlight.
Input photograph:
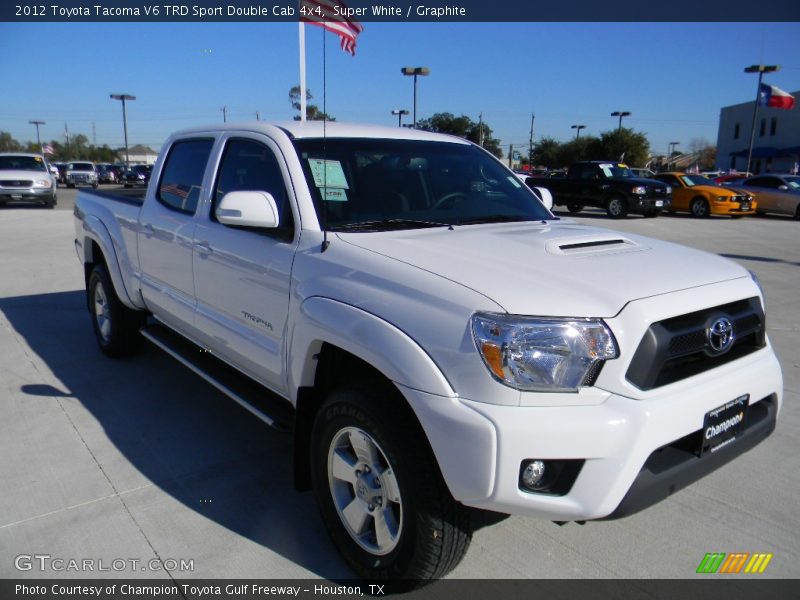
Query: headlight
(640, 189)
(669, 190)
(541, 354)
(43, 183)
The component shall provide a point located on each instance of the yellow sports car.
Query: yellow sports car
(702, 197)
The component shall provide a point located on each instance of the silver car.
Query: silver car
(775, 193)
(26, 177)
(81, 173)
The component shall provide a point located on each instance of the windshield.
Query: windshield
(693, 180)
(407, 184)
(22, 163)
(81, 167)
(612, 171)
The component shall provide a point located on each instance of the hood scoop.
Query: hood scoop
(592, 245)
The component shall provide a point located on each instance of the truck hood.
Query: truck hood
(552, 269)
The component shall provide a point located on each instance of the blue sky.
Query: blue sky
(673, 77)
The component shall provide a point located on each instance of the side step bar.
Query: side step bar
(263, 403)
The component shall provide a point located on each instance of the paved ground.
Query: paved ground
(135, 459)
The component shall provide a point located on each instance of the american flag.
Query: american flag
(48, 149)
(324, 14)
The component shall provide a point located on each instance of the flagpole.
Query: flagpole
(302, 40)
(753, 129)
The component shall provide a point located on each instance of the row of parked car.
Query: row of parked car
(77, 173)
(621, 190)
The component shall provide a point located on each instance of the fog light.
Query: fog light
(532, 474)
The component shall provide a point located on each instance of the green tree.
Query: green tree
(313, 113)
(463, 127)
(545, 152)
(8, 143)
(624, 144)
(582, 148)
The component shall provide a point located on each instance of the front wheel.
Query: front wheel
(116, 327)
(699, 208)
(574, 208)
(380, 492)
(616, 207)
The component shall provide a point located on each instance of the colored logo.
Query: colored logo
(734, 563)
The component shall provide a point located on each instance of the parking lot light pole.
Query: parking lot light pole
(415, 71)
(38, 140)
(620, 114)
(399, 112)
(124, 97)
(578, 130)
(760, 69)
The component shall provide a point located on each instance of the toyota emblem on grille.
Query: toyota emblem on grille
(720, 335)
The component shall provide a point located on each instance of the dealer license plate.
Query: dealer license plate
(659, 203)
(722, 425)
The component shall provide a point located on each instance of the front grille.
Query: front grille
(15, 183)
(657, 191)
(678, 348)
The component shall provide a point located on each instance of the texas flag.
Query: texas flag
(769, 95)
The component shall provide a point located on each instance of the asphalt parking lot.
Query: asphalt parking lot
(139, 459)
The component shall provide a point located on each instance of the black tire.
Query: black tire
(427, 531)
(699, 208)
(574, 208)
(127, 185)
(50, 202)
(116, 327)
(797, 213)
(94, 186)
(616, 207)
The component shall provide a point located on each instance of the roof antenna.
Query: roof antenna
(325, 242)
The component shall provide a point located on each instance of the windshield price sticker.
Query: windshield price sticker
(328, 173)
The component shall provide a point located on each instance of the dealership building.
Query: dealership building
(776, 146)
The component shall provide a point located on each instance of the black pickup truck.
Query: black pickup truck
(609, 185)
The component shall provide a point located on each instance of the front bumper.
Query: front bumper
(732, 208)
(648, 204)
(27, 194)
(481, 446)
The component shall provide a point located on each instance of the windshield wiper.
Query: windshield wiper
(497, 219)
(387, 225)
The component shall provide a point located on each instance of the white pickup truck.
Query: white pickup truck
(436, 340)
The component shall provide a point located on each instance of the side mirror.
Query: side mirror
(248, 209)
(545, 197)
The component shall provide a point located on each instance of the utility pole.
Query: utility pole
(38, 139)
(530, 145)
(510, 155)
(224, 110)
(94, 135)
(66, 138)
(124, 98)
(258, 116)
(480, 130)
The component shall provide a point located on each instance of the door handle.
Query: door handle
(147, 229)
(203, 247)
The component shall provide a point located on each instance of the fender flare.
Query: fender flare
(377, 342)
(94, 229)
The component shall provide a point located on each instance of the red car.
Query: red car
(731, 177)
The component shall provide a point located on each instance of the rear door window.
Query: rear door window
(182, 175)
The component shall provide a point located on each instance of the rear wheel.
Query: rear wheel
(379, 490)
(574, 208)
(116, 327)
(699, 208)
(797, 213)
(616, 207)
